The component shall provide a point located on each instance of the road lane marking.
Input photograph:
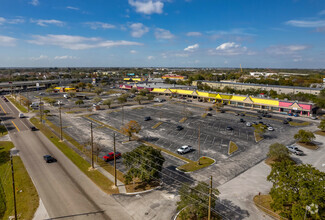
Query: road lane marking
(15, 126)
(3, 109)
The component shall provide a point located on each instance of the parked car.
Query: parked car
(179, 128)
(296, 115)
(110, 156)
(200, 100)
(290, 114)
(248, 124)
(268, 116)
(184, 149)
(241, 120)
(242, 114)
(49, 159)
(285, 122)
(209, 114)
(270, 128)
(259, 117)
(189, 100)
(314, 118)
(147, 118)
(229, 128)
(33, 128)
(295, 150)
(222, 111)
(209, 109)
(289, 119)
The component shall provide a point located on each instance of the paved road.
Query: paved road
(65, 191)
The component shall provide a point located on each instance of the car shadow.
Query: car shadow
(229, 209)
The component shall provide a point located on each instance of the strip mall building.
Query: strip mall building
(285, 107)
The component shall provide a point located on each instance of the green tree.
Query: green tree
(51, 101)
(321, 125)
(144, 163)
(46, 112)
(143, 92)
(108, 102)
(98, 90)
(97, 99)
(49, 90)
(2, 129)
(139, 98)
(295, 187)
(278, 152)
(72, 94)
(304, 136)
(79, 102)
(90, 86)
(130, 128)
(150, 96)
(195, 201)
(81, 85)
(133, 90)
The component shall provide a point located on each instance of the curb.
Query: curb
(198, 169)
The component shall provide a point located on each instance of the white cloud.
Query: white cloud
(230, 49)
(150, 57)
(34, 2)
(7, 41)
(133, 51)
(322, 12)
(138, 29)
(65, 57)
(193, 34)
(192, 48)
(147, 6)
(73, 8)
(97, 25)
(78, 42)
(163, 34)
(306, 24)
(41, 57)
(286, 49)
(45, 23)
(11, 21)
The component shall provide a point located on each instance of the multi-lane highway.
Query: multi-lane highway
(65, 191)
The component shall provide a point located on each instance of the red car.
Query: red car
(110, 156)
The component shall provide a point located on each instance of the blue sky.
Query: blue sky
(162, 33)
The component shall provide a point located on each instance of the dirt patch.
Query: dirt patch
(310, 146)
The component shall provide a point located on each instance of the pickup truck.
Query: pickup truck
(184, 149)
(295, 150)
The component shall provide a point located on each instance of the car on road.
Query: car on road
(270, 128)
(110, 156)
(21, 115)
(49, 159)
(148, 118)
(295, 150)
(184, 149)
(179, 128)
(228, 128)
(33, 128)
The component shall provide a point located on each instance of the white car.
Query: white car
(184, 149)
(21, 115)
(248, 124)
(270, 128)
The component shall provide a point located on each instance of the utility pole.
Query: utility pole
(115, 181)
(20, 98)
(199, 144)
(92, 144)
(13, 186)
(40, 108)
(61, 138)
(27, 100)
(210, 194)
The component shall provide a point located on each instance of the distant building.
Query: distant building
(258, 74)
(173, 76)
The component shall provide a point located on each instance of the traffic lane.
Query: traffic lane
(58, 189)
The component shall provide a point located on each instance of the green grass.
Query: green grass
(263, 202)
(322, 133)
(26, 195)
(305, 123)
(193, 166)
(258, 136)
(232, 147)
(204, 115)
(98, 178)
(3, 131)
(17, 104)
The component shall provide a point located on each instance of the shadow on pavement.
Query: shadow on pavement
(229, 209)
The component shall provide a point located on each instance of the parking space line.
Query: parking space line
(15, 125)
(3, 109)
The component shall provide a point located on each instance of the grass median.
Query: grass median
(194, 165)
(26, 195)
(98, 178)
(298, 124)
(17, 104)
(263, 202)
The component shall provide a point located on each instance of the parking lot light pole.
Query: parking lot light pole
(61, 138)
(40, 108)
(92, 144)
(115, 181)
(199, 144)
(13, 186)
(210, 194)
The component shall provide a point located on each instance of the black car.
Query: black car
(209, 114)
(222, 111)
(268, 116)
(210, 109)
(242, 120)
(259, 117)
(200, 100)
(179, 128)
(33, 128)
(242, 114)
(289, 119)
(49, 159)
(229, 128)
(285, 122)
(147, 118)
(260, 122)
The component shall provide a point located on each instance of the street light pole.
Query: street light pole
(115, 181)
(210, 194)
(61, 138)
(199, 144)
(40, 108)
(13, 186)
(92, 144)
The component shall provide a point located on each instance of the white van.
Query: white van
(21, 115)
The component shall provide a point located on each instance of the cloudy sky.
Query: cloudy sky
(171, 33)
